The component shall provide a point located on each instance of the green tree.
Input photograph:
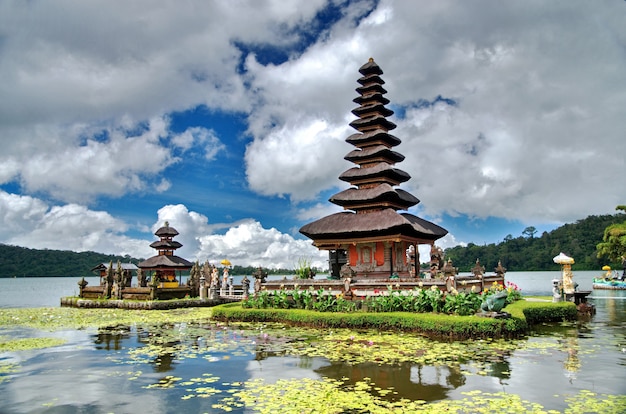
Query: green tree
(530, 232)
(613, 243)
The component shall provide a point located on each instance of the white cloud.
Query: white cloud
(205, 138)
(250, 244)
(539, 106)
(299, 160)
(88, 90)
(31, 222)
(245, 243)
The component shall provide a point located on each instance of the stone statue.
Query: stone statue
(108, 285)
(478, 270)
(225, 278)
(436, 261)
(119, 281)
(194, 279)
(500, 270)
(449, 269)
(568, 280)
(215, 278)
(260, 274)
(141, 278)
(495, 303)
(347, 272)
(245, 284)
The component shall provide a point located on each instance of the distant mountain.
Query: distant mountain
(528, 253)
(21, 261)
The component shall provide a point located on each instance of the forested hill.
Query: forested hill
(531, 252)
(20, 261)
(526, 252)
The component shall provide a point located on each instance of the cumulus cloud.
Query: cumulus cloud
(245, 243)
(31, 222)
(299, 160)
(508, 110)
(254, 245)
(530, 105)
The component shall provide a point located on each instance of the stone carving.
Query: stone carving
(495, 302)
(347, 272)
(478, 270)
(245, 284)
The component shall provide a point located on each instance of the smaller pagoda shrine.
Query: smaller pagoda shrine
(372, 239)
(165, 264)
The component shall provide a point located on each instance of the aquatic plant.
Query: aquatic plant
(22, 344)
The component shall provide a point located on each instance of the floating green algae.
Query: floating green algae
(22, 344)
(306, 395)
(77, 318)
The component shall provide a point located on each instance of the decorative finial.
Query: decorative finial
(371, 59)
(167, 224)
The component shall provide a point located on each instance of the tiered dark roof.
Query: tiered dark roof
(166, 246)
(373, 198)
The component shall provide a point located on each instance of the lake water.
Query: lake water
(101, 371)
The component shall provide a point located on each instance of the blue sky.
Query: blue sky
(229, 119)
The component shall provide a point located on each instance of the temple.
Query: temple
(372, 238)
(165, 264)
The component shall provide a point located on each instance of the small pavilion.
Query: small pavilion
(372, 239)
(165, 264)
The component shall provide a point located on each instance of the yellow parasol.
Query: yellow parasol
(606, 267)
(225, 262)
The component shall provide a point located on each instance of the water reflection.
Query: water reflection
(414, 382)
(111, 338)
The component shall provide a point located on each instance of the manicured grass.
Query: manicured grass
(523, 314)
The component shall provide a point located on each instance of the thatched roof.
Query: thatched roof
(382, 194)
(370, 123)
(387, 222)
(381, 172)
(166, 231)
(376, 152)
(375, 137)
(165, 262)
(166, 244)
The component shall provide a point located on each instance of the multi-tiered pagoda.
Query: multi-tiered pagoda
(371, 238)
(165, 264)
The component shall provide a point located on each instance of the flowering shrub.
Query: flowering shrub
(392, 300)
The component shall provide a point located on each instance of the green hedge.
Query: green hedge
(522, 313)
(539, 312)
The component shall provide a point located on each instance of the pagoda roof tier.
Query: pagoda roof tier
(166, 231)
(374, 137)
(372, 109)
(386, 224)
(372, 97)
(379, 173)
(165, 244)
(372, 78)
(165, 262)
(376, 153)
(380, 196)
(370, 68)
(374, 87)
(372, 123)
